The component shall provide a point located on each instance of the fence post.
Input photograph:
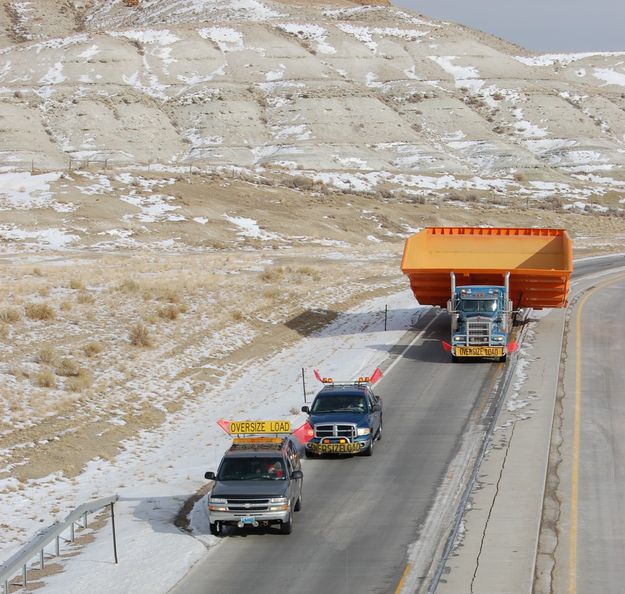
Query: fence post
(304, 385)
(113, 525)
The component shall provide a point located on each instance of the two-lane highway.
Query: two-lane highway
(590, 551)
(360, 515)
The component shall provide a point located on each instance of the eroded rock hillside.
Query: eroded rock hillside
(356, 96)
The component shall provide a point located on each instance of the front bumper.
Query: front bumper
(478, 351)
(318, 445)
(243, 517)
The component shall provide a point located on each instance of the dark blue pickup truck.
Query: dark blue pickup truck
(346, 419)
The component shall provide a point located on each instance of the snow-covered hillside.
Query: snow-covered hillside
(359, 97)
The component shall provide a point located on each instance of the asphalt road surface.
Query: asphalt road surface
(361, 514)
(590, 554)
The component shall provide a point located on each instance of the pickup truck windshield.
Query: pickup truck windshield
(250, 469)
(325, 403)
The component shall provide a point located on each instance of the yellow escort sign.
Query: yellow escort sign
(255, 427)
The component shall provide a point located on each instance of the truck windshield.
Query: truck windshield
(251, 469)
(476, 305)
(326, 403)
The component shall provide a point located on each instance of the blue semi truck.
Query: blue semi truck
(481, 320)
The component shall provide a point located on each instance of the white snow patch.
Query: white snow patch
(464, 76)
(562, 59)
(250, 228)
(227, 39)
(610, 76)
(309, 32)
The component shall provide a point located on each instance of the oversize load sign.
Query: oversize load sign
(249, 427)
(474, 351)
(335, 448)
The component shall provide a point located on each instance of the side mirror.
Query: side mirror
(209, 476)
(306, 409)
(297, 474)
(376, 408)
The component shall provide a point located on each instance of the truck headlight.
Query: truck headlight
(363, 431)
(278, 504)
(498, 338)
(216, 504)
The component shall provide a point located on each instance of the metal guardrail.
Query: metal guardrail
(18, 563)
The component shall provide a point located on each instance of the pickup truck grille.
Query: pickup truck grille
(348, 431)
(478, 332)
(247, 505)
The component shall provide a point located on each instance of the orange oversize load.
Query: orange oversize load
(539, 261)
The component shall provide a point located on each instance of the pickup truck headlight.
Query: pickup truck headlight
(278, 504)
(216, 504)
(363, 431)
(498, 338)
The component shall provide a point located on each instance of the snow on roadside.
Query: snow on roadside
(159, 470)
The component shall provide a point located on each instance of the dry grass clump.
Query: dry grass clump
(310, 272)
(92, 348)
(236, 316)
(68, 367)
(270, 275)
(129, 285)
(140, 335)
(273, 293)
(39, 311)
(80, 383)
(9, 315)
(47, 355)
(167, 294)
(520, 177)
(46, 379)
(169, 312)
(76, 284)
(18, 371)
(84, 297)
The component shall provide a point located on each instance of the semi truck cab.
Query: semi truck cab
(481, 319)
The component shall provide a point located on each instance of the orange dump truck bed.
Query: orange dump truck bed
(539, 261)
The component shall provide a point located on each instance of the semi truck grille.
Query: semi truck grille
(348, 431)
(478, 332)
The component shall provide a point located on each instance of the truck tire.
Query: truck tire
(298, 503)
(287, 527)
(369, 450)
(454, 359)
(380, 431)
(503, 358)
(215, 528)
(309, 454)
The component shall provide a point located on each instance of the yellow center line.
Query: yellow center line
(577, 435)
(402, 579)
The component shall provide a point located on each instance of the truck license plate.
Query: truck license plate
(248, 520)
(335, 448)
(479, 351)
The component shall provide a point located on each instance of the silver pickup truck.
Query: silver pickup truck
(258, 483)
